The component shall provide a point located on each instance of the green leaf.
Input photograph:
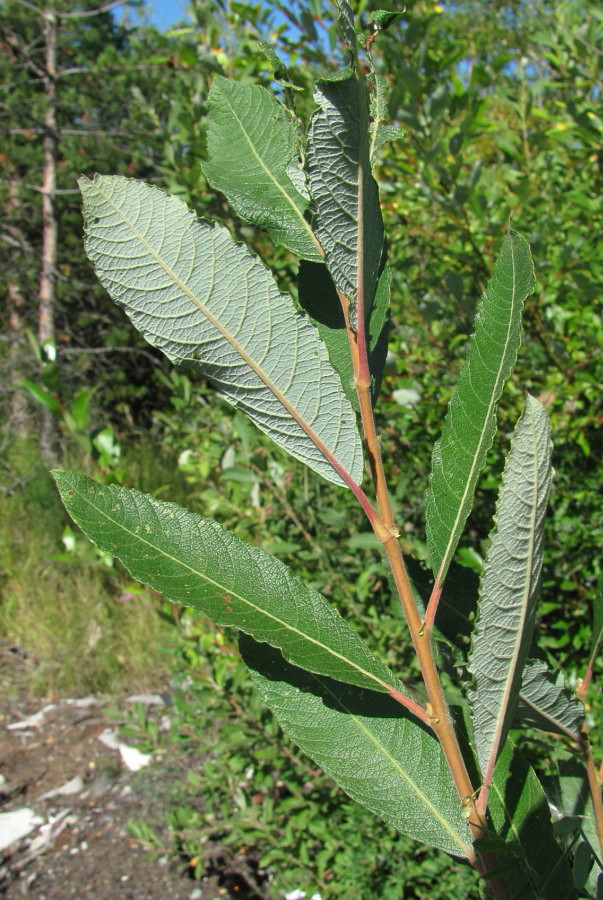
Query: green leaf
(381, 132)
(510, 585)
(254, 160)
(575, 800)
(347, 218)
(208, 304)
(460, 454)
(597, 638)
(546, 703)
(347, 27)
(365, 742)
(318, 297)
(197, 563)
(521, 818)
(382, 19)
(279, 68)
(42, 396)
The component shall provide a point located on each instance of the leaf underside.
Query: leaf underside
(196, 562)
(347, 215)
(365, 742)
(510, 584)
(546, 703)
(210, 305)
(460, 454)
(254, 160)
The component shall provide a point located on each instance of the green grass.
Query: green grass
(79, 623)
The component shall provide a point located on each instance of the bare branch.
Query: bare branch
(91, 12)
(39, 12)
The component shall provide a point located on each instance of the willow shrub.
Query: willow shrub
(449, 777)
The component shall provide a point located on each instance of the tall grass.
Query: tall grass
(79, 626)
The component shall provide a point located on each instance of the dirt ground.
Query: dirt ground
(81, 845)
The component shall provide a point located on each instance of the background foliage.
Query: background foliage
(502, 105)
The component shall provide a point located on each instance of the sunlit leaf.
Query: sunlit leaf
(460, 454)
(510, 585)
(380, 756)
(347, 219)
(253, 149)
(196, 562)
(208, 304)
(347, 27)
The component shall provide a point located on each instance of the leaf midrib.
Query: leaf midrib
(447, 555)
(272, 178)
(318, 443)
(547, 716)
(525, 603)
(397, 766)
(195, 572)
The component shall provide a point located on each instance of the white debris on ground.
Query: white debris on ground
(16, 825)
(132, 758)
(73, 786)
(32, 833)
(32, 721)
(300, 895)
(147, 699)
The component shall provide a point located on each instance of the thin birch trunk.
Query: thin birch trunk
(46, 296)
(15, 303)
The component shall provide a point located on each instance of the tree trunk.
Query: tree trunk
(46, 296)
(15, 303)
(18, 404)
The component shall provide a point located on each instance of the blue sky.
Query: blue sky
(164, 13)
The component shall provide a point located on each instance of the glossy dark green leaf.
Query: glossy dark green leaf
(196, 562)
(380, 756)
(575, 800)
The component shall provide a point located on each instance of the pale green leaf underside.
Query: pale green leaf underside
(343, 190)
(207, 303)
(253, 151)
(460, 454)
(364, 741)
(196, 562)
(510, 584)
(546, 703)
